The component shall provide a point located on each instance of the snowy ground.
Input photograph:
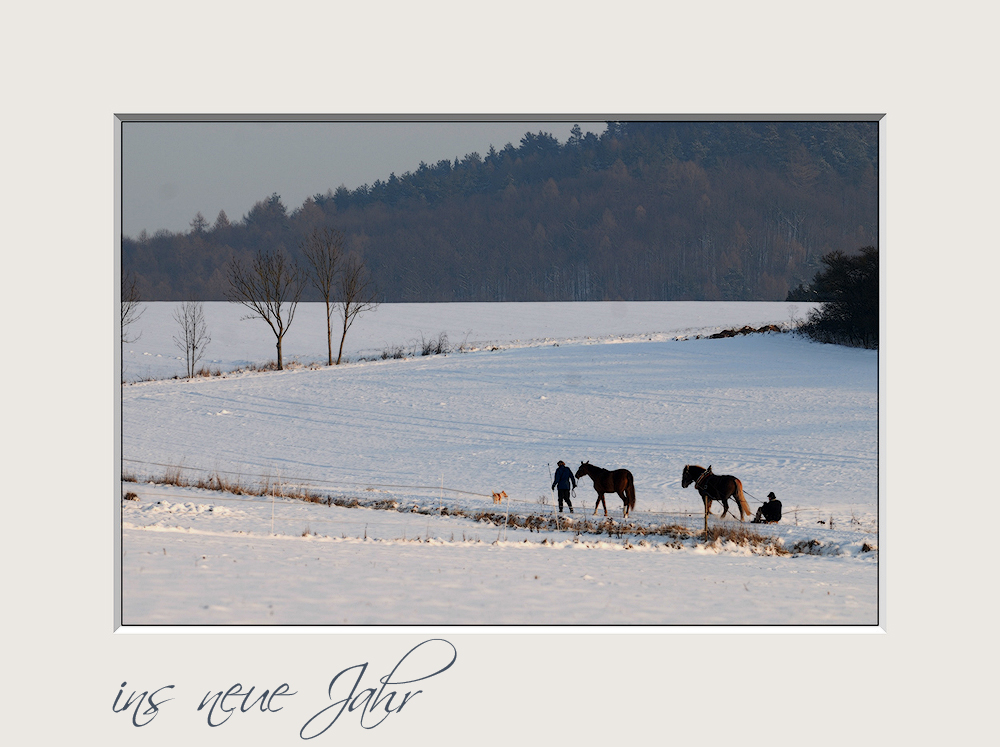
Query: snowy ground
(238, 341)
(620, 385)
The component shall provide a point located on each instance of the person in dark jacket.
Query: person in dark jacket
(565, 481)
(770, 512)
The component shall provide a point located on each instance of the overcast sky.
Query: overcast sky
(173, 170)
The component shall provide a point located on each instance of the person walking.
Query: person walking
(564, 481)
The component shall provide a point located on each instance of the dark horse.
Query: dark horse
(714, 487)
(605, 481)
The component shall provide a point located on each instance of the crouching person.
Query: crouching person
(770, 512)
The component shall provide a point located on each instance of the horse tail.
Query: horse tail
(744, 507)
(630, 492)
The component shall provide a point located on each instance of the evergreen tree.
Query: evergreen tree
(199, 224)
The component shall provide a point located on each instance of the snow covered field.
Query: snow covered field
(621, 385)
(237, 341)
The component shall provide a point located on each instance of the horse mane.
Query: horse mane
(692, 472)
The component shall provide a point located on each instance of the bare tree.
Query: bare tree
(270, 288)
(131, 310)
(194, 338)
(357, 294)
(323, 250)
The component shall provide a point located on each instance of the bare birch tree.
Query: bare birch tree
(323, 250)
(194, 338)
(131, 310)
(357, 295)
(270, 287)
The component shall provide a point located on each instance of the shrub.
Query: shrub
(848, 290)
(173, 477)
(395, 352)
(435, 347)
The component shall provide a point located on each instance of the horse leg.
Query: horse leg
(738, 506)
(725, 508)
(621, 494)
(739, 503)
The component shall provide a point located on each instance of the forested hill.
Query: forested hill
(645, 211)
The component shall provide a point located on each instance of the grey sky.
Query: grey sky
(173, 170)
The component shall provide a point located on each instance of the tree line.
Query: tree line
(644, 211)
(270, 286)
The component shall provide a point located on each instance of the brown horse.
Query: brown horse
(605, 481)
(714, 487)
